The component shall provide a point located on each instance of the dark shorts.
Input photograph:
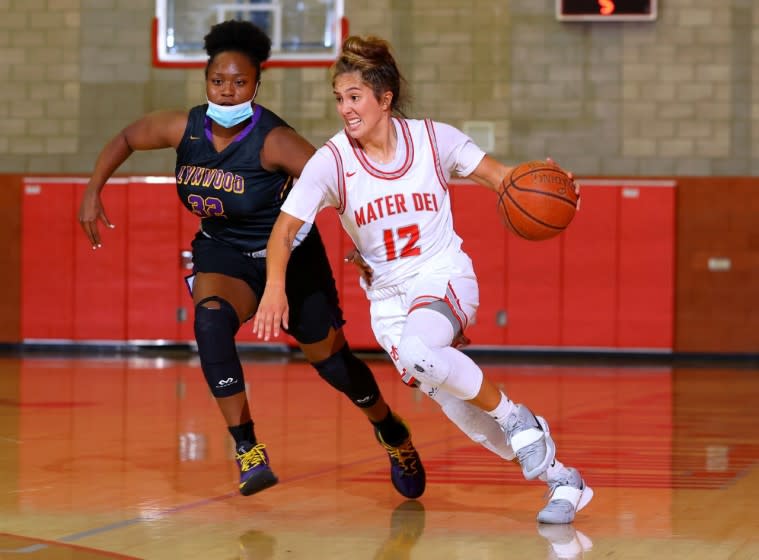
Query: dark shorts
(310, 286)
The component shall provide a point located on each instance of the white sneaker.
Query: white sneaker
(568, 494)
(529, 437)
(566, 542)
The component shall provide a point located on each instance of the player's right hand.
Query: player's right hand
(550, 161)
(90, 212)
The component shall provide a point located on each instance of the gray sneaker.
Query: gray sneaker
(568, 494)
(530, 439)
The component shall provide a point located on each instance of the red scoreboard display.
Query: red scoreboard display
(606, 10)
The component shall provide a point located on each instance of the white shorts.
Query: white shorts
(450, 279)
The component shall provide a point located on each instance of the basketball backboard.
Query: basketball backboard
(303, 32)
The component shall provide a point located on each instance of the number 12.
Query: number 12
(410, 249)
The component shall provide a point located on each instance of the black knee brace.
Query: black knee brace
(349, 375)
(215, 330)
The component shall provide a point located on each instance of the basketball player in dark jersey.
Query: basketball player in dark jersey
(236, 161)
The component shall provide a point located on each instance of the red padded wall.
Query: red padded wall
(152, 261)
(100, 276)
(646, 266)
(10, 257)
(608, 281)
(589, 290)
(478, 223)
(47, 256)
(534, 277)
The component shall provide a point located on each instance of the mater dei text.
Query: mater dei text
(392, 204)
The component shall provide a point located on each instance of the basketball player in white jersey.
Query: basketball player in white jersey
(388, 178)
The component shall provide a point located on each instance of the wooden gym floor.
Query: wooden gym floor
(128, 458)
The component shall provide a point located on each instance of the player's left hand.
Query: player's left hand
(461, 341)
(364, 269)
(272, 312)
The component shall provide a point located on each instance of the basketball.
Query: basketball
(537, 200)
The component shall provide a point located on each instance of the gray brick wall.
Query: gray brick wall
(679, 96)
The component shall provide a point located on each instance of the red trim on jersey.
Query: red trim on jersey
(388, 175)
(436, 154)
(421, 301)
(421, 304)
(451, 300)
(341, 196)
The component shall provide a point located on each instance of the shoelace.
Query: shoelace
(252, 458)
(406, 457)
(529, 451)
(514, 425)
(517, 424)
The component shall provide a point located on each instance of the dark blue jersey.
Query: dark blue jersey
(237, 199)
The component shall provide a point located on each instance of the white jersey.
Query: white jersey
(398, 214)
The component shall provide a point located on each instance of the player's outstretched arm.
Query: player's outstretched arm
(491, 173)
(273, 310)
(162, 129)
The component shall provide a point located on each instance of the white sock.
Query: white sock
(502, 411)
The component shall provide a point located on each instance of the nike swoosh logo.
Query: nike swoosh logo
(194, 137)
(350, 174)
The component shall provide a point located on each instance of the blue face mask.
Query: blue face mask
(230, 115)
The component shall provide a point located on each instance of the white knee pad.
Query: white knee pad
(446, 368)
(421, 361)
(474, 422)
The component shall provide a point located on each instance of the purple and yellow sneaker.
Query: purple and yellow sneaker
(255, 473)
(406, 469)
